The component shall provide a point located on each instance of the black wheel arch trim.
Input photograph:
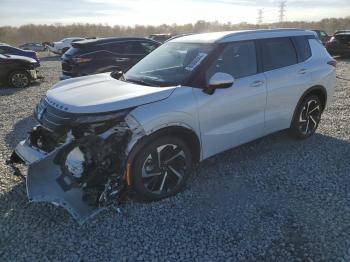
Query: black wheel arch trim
(314, 89)
(187, 135)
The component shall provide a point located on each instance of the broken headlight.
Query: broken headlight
(98, 118)
(98, 123)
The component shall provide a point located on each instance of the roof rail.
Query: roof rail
(264, 31)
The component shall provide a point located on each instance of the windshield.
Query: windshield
(171, 64)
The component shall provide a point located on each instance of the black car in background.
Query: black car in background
(10, 50)
(104, 55)
(322, 35)
(339, 44)
(17, 71)
(162, 38)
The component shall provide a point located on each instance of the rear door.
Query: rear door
(119, 56)
(135, 51)
(128, 53)
(287, 78)
(234, 115)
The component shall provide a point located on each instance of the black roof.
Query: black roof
(101, 41)
(342, 32)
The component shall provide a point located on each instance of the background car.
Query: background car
(38, 47)
(60, 47)
(17, 71)
(10, 50)
(322, 35)
(339, 44)
(160, 37)
(104, 55)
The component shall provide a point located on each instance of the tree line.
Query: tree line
(55, 32)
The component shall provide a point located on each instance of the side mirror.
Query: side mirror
(117, 74)
(219, 80)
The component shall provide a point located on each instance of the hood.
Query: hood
(101, 93)
(22, 58)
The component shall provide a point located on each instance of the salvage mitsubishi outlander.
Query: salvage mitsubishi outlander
(195, 96)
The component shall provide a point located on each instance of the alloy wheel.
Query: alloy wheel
(19, 80)
(309, 117)
(164, 169)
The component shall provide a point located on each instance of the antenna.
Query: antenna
(282, 10)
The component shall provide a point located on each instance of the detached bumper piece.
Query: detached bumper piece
(83, 175)
(47, 183)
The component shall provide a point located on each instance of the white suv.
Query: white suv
(60, 47)
(193, 97)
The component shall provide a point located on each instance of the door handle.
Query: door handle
(257, 83)
(302, 71)
(122, 59)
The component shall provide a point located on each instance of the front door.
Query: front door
(235, 115)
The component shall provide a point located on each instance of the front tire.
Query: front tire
(161, 168)
(307, 117)
(19, 79)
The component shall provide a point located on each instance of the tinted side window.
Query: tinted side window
(118, 48)
(237, 59)
(149, 46)
(303, 48)
(277, 53)
(135, 48)
(323, 34)
(4, 49)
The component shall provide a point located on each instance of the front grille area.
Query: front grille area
(53, 118)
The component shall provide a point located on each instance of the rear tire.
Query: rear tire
(161, 168)
(307, 117)
(19, 79)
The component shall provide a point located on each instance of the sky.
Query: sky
(156, 12)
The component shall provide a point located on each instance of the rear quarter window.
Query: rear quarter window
(116, 47)
(303, 48)
(277, 53)
(73, 51)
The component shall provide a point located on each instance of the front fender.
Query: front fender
(180, 109)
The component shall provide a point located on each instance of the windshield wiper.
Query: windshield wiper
(138, 81)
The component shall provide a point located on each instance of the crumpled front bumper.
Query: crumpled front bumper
(46, 182)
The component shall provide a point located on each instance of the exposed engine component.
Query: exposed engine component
(90, 162)
(44, 139)
(81, 170)
(75, 162)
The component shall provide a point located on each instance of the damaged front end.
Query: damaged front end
(77, 161)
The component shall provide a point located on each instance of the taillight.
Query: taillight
(332, 63)
(79, 60)
(333, 39)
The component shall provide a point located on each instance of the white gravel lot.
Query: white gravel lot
(275, 199)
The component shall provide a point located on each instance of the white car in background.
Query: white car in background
(63, 45)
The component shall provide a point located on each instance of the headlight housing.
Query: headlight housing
(100, 118)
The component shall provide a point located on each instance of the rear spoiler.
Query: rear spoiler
(78, 45)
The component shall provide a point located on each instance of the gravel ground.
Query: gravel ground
(275, 199)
